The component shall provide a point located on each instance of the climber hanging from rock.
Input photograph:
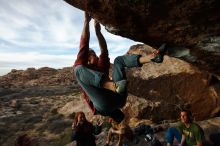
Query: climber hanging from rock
(106, 96)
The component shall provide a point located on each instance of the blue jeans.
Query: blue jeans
(172, 133)
(105, 101)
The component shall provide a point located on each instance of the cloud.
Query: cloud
(46, 33)
(39, 21)
(34, 59)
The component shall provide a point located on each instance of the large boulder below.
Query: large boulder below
(159, 91)
(77, 104)
(192, 26)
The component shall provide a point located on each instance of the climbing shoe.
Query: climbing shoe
(159, 56)
(121, 86)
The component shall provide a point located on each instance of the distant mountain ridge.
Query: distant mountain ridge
(37, 77)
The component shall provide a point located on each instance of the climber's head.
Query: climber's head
(92, 58)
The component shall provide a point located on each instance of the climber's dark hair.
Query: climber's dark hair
(91, 51)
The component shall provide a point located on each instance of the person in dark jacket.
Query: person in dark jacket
(84, 131)
(106, 96)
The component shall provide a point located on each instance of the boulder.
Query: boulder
(76, 105)
(190, 26)
(159, 91)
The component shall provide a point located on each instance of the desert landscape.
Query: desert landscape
(41, 103)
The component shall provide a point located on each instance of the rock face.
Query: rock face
(34, 101)
(158, 91)
(193, 24)
(77, 104)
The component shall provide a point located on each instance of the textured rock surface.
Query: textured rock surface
(77, 104)
(192, 25)
(158, 91)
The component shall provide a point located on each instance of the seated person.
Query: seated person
(187, 133)
(122, 130)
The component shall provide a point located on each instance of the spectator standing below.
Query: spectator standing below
(83, 131)
(187, 133)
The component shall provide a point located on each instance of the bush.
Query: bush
(3, 131)
(55, 124)
(55, 117)
(54, 111)
(58, 126)
(64, 139)
(72, 116)
(34, 119)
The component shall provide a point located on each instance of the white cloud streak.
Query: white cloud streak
(34, 59)
(45, 33)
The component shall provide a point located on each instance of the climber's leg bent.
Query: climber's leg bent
(122, 62)
(88, 76)
(119, 83)
(129, 61)
(118, 73)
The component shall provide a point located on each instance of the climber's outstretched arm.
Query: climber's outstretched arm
(82, 57)
(85, 31)
(101, 39)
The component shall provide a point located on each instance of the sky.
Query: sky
(46, 33)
